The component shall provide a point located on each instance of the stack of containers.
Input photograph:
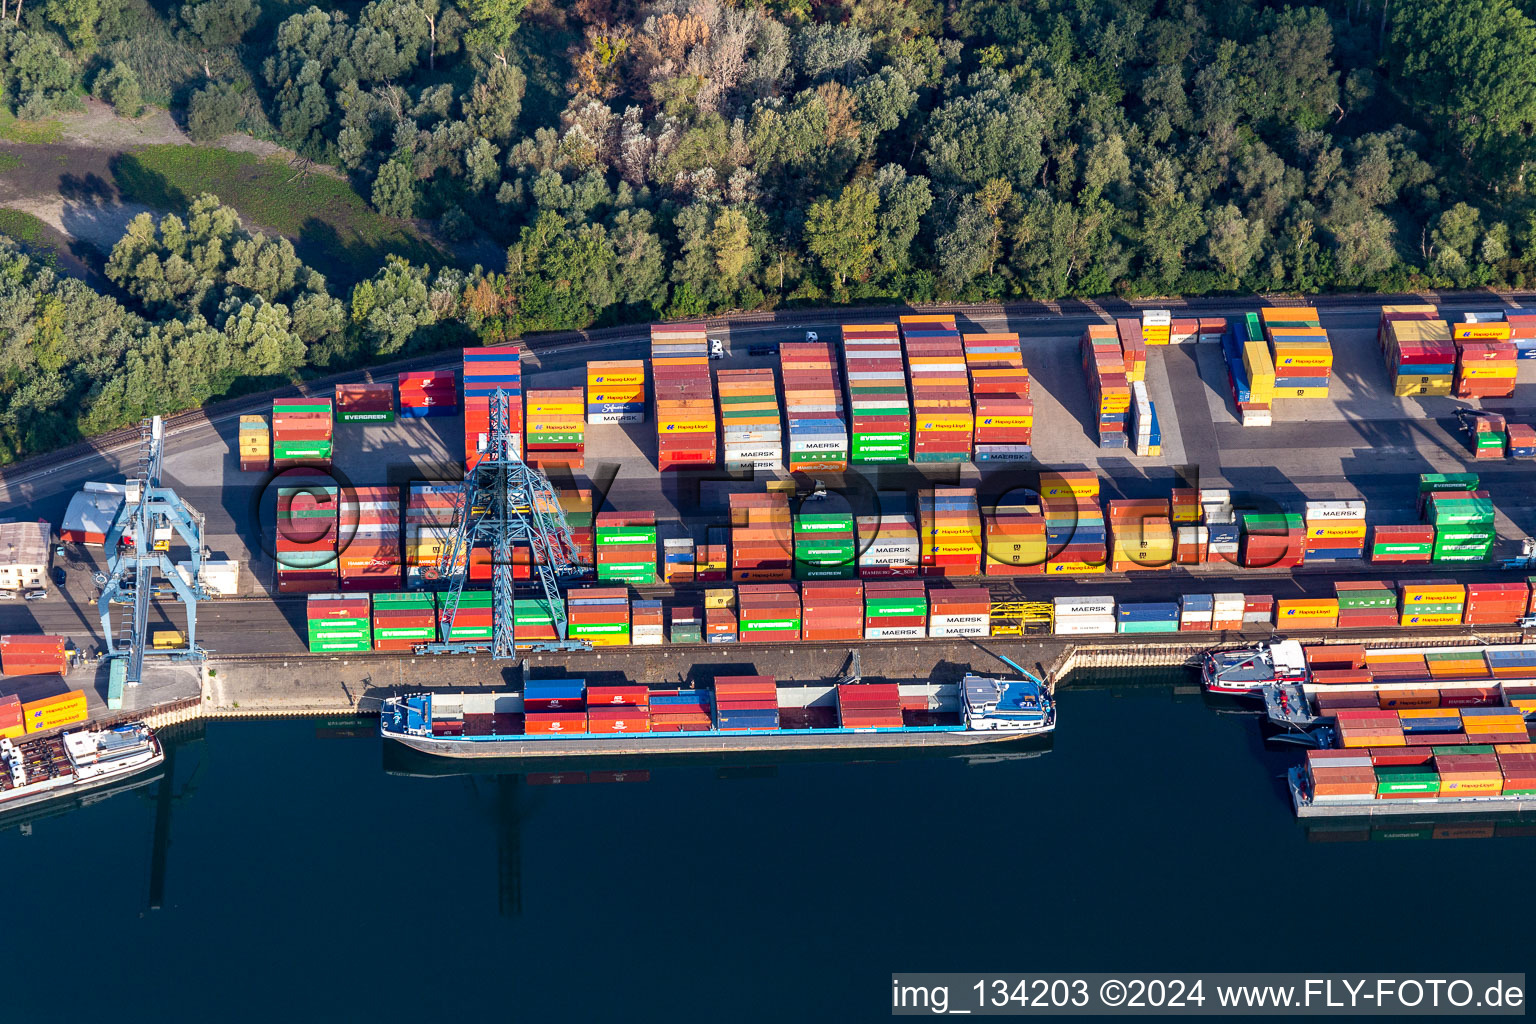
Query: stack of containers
(1368, 727)
(1340, 776)
(474, 619)
(1335, 530)
(768, 611)
(1522, 440)
(307, 529)
(1463, 522)
(556, 434)
(369, 558)
(1182, 332)
(895, 610)
(869, 706)
(677, 560)
(1192, 545)
(832, 611)
(1004, 413)
(761, 541)
(553, 707)
(1016, 544)
(720, 624)
(1133, 348)
(1418, 350)
(1197, 613)
(680, 711)
(577, 506)
(881, 419)
(960, 611)
(1366, 605)
(1258, 610)
(55, 712)
(1227, 611)
(1212, 329)
(617, 709)
(255, 444)
(1222, 529)
(12, 724)
(487, 371)
(1495, 603)
(616, 391)
(365, 403)
(890, 544)
(1307, 612)
(1486, 438)
(301, 432)
(685, 400)
(1299, 346)
(686, 626)
(428, 393)
(1273, 541)
(1429, 603)
(826, 547)
(1433, 483)
(1402, 544)
(338, 622)
(749, 420)
(1141, 535)
(626, 548)
(1250, 371)
(1157, 327)
(431, 515)
(646, 624)
(746, 702)
(1152, 617)
(1469, 774)
(942, 420)
(1485, 360)
(401, 621)
(29, 655)
(713, 562)
(813, 403)
(1522, 331)
(1076, 532)
(1146, 434)
(1109, 388)
(598, 615)
(1517, 763)
(950, 524)
(533, 619)
(1484, 725)
(1075, 615)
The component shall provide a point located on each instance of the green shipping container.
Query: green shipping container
(413, 633)
(1430, 482)
(1367, 599)
(748, 625)
(380, 416)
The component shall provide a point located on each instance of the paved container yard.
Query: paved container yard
(1361, 442)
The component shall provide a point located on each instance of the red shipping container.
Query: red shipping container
(552, 723)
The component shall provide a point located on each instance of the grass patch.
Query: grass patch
(333, 229)
(9, 162)
(34, 132)
(23, 227)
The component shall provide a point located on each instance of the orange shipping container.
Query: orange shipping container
(52, 712)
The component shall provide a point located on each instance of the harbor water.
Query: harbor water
(294, 870)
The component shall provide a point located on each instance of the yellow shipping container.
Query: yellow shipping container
(1503, 370)
(1301, 393)
(1470, 787)
(687, 427)
(1076, 568)
(53, 712)
(1308, 608)
(1056, 488)
(720, 597)
(1495, 331)
(1433, 593)
(1406, 387)
(1336, 529)
(1440, 619)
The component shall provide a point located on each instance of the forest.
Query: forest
(677, 158)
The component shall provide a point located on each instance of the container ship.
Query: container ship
(568, 718)
(65, 765)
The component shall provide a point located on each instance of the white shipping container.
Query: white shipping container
(1077, 624)
(958, 629)
(1156, 318)
(894, 632)
(837, 444)
(1095, 605)
(973, 619)
(616, 417)
(1321, 510)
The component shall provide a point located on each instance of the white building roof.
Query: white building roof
(93, 509)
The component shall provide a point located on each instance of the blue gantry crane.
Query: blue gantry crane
(138, 552)
(503, 502)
